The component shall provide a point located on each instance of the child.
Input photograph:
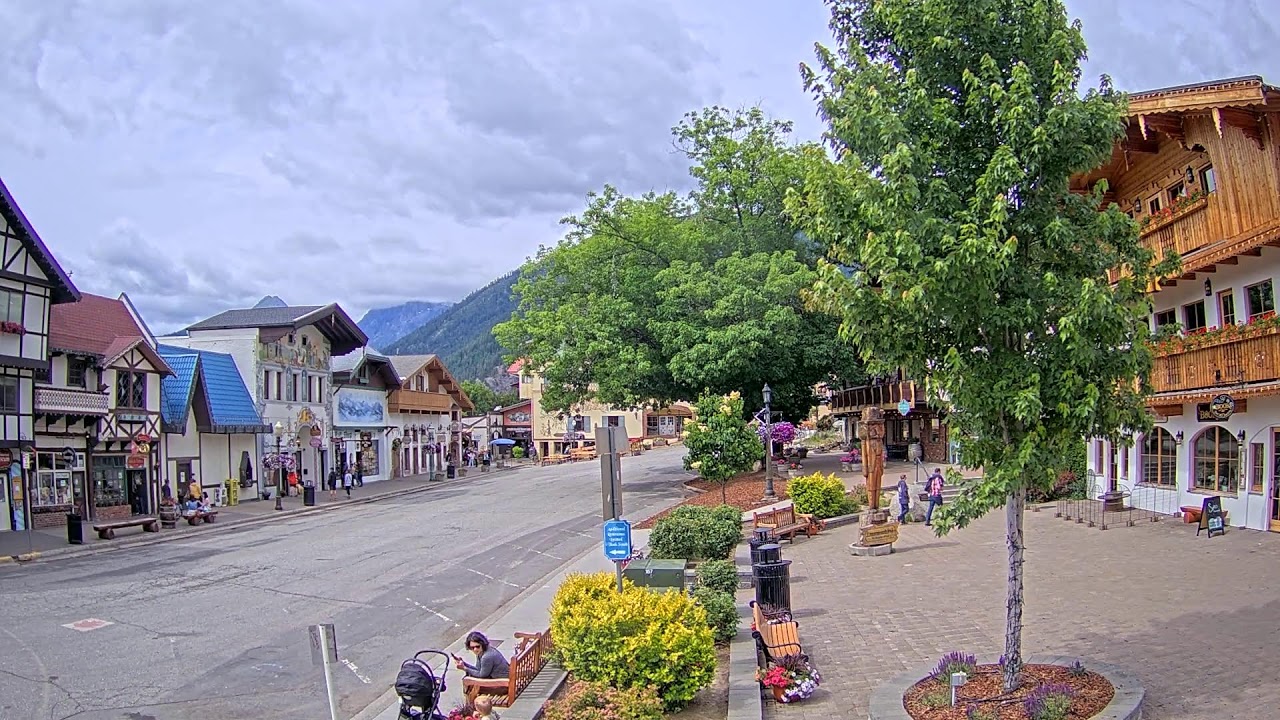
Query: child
(484, 708)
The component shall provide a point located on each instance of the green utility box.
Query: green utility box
(656, 574)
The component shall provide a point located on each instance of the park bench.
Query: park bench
(775, 637)
(195, 517)
(532, 653)
(553, 459)
(585, 453)
(107, 531)
(785, 522)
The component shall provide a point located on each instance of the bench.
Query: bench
(195, 517)
(553, 459)
(582, 454)
(107, 531)
(774, 638)
(785, 522)
(532, 653)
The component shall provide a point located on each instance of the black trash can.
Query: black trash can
(451, 472)
(773, 586)
(75, 531)
(769, 553)
(760, 536)
(309, 495)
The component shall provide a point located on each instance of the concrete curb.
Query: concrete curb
(886, 700)
(744, 691)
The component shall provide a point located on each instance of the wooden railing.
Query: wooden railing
(1195, 226)
(1227, 362)
(415, 401)
(885, 395)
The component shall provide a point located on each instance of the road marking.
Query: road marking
(553, 557)
(352, 667)
(420, 606)
(88, 624)
(495, 579)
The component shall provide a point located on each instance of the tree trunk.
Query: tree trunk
(724, 493)
(1014, 509)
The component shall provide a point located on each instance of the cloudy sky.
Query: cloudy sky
(199, 155)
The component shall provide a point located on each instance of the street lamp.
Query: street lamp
(431, 454)
(768, 443)
(279, 433)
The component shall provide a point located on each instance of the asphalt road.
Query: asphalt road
(217, 628)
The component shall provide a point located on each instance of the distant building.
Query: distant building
(362, 423)
(426, 415)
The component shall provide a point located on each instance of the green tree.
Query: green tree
(484, 398)
(660, 297)
(719, 444)
(963, 257)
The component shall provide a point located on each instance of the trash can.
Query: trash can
(769, 553)
(451, 472)
(759, 536)
(773, 586)
(75, 531)
(309, 495)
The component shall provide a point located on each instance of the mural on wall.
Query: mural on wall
(356, 407)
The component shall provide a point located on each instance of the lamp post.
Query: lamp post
(431, 454)
(279, 433)
(768, 442)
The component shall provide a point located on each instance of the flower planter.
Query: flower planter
(779, 695)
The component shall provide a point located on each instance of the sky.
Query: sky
(200, 155)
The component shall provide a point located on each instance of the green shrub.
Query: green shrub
(517, 452)
(718, 575)
(675, 537)
(719, 539)
(598, 701)
(693, 532)
(818, 494)
(727, 514)
(634, 639)
(722, 612)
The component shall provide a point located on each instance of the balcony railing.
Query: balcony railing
(415, 401)
(885, 395)
(70, 402)
(1246, 355)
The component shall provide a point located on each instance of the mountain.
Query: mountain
(386, 325)
(463, 335)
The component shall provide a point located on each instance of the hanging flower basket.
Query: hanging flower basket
(272, 461)
(12, 328)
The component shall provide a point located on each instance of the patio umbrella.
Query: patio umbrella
(502, 441)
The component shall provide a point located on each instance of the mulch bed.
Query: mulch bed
(1092, 693)
(711, 702)
(745, 492)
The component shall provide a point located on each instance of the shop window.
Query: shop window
(651, 425)
(1256, 465)
(1166, 317)
(1193, 316)
(108, 481)
(1261, 299)
(1216, 459)
(1208, 180)
(9, 395)
(613, 421)
(1159, 458)
(1226, 308)
(53, 481)
(11, 305)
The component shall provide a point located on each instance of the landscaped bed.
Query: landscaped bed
(1079, 693)
(745, 492)
(711, 702)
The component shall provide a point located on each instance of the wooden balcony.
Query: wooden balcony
(884, 395)
(416, 401)
(68, 401)
(1192, 227)
(1241, 356)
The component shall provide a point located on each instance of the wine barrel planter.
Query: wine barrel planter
(169, 516)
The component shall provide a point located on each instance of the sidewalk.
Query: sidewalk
(52, 542)
(529, 612)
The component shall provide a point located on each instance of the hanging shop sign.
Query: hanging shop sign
(1220, 408)
(135, 462)
(6, 458)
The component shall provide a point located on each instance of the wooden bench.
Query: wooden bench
(107, 531)
(785, 522)
(195, 517)
(532, 653)
(582, 454)
(774, 638)
(553, 459)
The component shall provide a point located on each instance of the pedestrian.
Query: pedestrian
(333, 483)
(347, 481)
(484, 708)
(904, 498)
(935, 495)
(489, 660)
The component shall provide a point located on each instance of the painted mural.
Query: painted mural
(361, 407)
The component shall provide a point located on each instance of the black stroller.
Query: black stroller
(420, 686)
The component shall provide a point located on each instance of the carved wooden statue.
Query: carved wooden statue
(871, 429)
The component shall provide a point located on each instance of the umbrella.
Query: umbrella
(502, 441)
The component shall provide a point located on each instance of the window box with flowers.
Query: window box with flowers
(1264, 324)
(1179, 208)
(12, 328)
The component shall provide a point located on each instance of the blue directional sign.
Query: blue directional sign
(617, 539)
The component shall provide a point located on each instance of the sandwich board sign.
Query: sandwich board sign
(1211, 518)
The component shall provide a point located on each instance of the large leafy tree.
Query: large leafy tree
(665, 297)
(955, 126)
(485, 398)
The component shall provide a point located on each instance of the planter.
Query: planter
(846, 467)
(169, 516)
(777, 694)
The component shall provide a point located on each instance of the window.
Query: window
(651, 425)
(53, 481)
(279, 385)
(419, 384)
(77, 372)
(1193, 316)
(306, 388)
(266, 385)
(9, 395)
(291, 388)
(1208, 180)
(131, 389)
(1097, 456)
(1256, 463)
(1153, 205)
(1159, 458)
(1226, 308)
(613, 421)
(1166, 317)
(1112, 470)
(320, 388)
(1124, 462)
(1217, 460)
(41, 375)
(1261, 299)
(11, 306)
(1176, 192)
(108, 481)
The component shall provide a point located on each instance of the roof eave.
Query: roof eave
(64, 291)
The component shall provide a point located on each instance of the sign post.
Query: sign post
(616, 531)
(1211, 519)
(617, 544)
(324, 653)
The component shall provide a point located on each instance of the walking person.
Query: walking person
(347, 481)
(935, 495)
(904, 498)
(333, 483)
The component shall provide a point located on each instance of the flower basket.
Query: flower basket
(792, 679)
(12, 328)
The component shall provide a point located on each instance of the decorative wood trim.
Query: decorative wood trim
(1246, 122)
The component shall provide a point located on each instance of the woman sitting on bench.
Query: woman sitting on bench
(489, 661)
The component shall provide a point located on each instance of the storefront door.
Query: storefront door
(136, 486)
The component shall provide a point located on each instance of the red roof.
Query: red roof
(515, 367)
(92, 325)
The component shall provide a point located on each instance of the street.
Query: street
(217, 627)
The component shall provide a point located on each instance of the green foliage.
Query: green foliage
(818, 494)
(676, 538)
(484, 398)
(718, 575)
(722, 612)
(633, 639)
(517, 452)
(719, 443)
(693, 532)
(663, 297)
(462, 335)
(597, 701)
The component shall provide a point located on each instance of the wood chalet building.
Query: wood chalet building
(908, 417)
(425, 415)
(1200, 170)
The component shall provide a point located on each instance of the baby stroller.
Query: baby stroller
(420, 686)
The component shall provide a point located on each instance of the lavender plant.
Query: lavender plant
(1049, 702)
(954, 662)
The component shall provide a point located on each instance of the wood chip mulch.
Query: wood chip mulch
(745, 492)
(1092, 693)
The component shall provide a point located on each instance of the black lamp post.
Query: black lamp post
(279, 433)
(768, 442)
(431, 452)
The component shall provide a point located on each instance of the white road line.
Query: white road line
(495, 579)
(420, 606)
(547, 554)
(352, 667)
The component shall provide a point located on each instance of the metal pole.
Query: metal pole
(768, 451)
(328, 674)
(279, 477)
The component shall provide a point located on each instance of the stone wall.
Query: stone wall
(113, 512)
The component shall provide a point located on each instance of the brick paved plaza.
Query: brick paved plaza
(1197, 620)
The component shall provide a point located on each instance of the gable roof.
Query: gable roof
(407, 365)
(211, 383)
(64, 291)
(332, 321)
(344, 367)
(102, 327)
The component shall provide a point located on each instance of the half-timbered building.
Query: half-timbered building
(362, 427)
(31, 282)
(426, 415)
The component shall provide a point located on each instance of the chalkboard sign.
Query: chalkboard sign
(1211, 517)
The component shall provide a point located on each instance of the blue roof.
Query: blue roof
(231, 407)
